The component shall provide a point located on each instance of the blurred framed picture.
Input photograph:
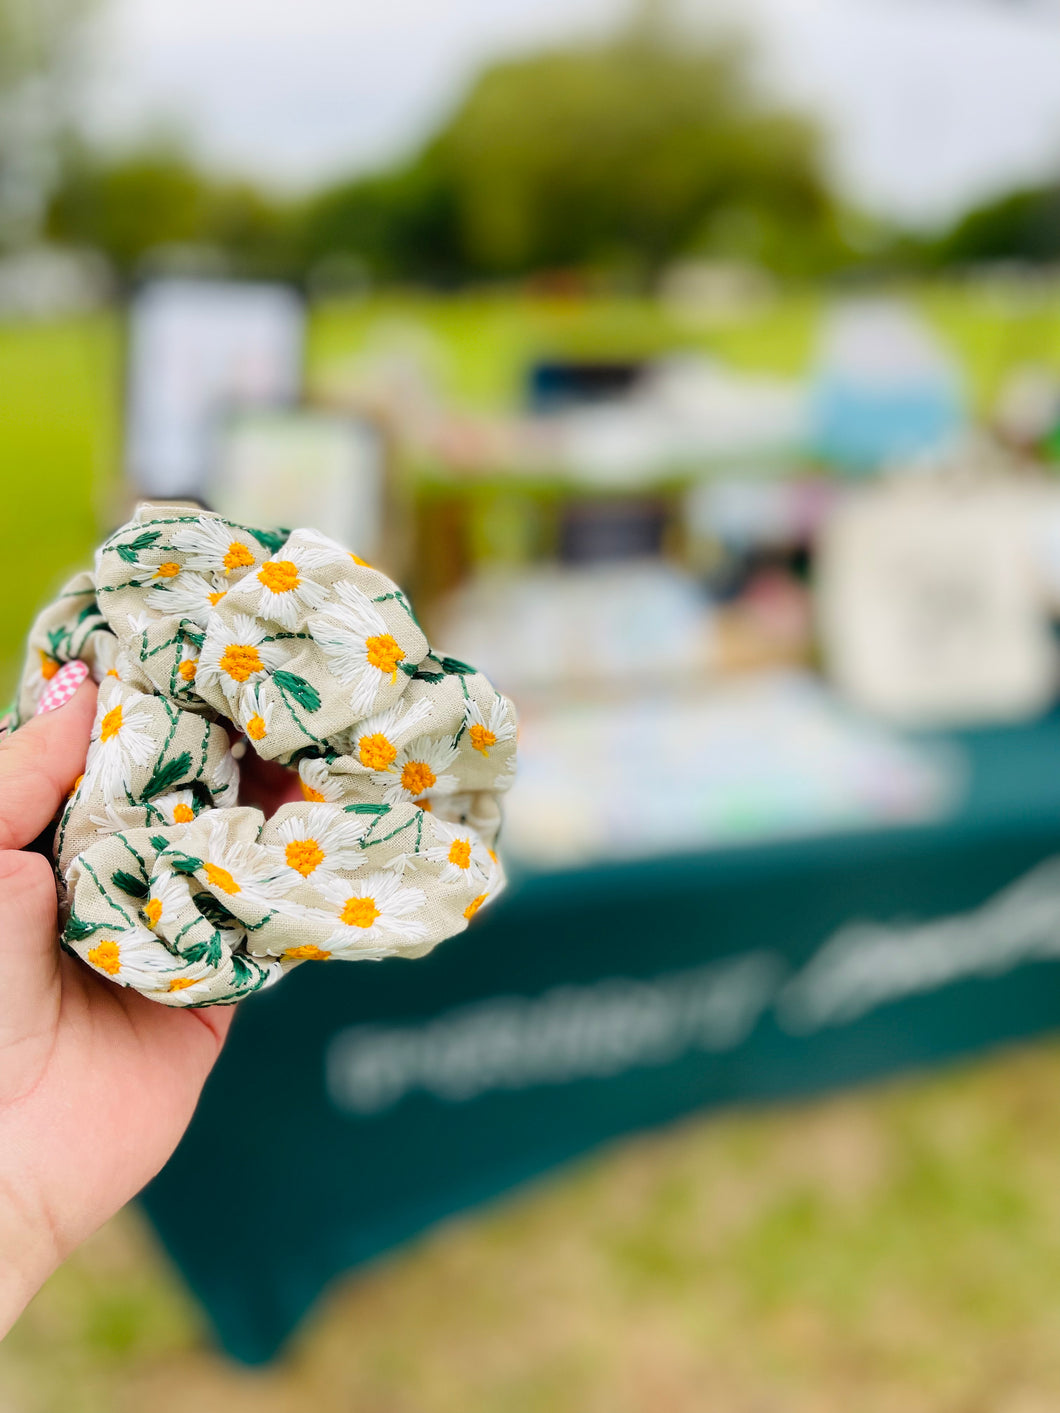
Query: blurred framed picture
(197, 347)
(303, 468)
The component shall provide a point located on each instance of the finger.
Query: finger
(38, 765)
(29, 969)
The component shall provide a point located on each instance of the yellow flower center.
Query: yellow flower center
(107, 957)
(221, 878)
(240, 661)
(188, 669)
(376, 752)
(306, 953)
(238, 556)
(49, 666)
(169, 570)
(181, 983)
(314, 796)
(113, 672)
(215, 598)
(183, 814)
(111, 724)
(359, 912)
(460, 853)
(384, 653)
(417, 776)
(256, 727)
(304, 855)
(424, 805)
(482, 738)
(153, 912)
(473, 907)
(279, 576)
(76, 785)
(358, 560)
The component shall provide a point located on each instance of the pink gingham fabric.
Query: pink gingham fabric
(62, 686)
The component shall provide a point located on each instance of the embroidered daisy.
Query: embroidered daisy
(463, 854)
(254, 713)
(374, 742)
(244, 877)
(419, 772)
(225, 785)
(167, 898)
(187, 668)
(236, 653)
(178, 807)
(488, 729)
(323, 841)
(122, 739)
(130, 956)
(280, 590)
(218, 548)
(192, 595)
(372, 914)
(318, 784)
(194, 981)
(360, 650)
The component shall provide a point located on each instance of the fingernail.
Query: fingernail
(62, 687)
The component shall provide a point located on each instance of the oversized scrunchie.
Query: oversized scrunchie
(193, 626)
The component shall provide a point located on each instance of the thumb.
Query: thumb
(38, 764)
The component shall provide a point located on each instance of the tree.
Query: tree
(1025, 225)
(631, 152)
(38, 45)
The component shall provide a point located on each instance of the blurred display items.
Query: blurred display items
(932, 605)
(303, 468)
(197, 350)
(635, 623)
(885, 390)
(766, 758)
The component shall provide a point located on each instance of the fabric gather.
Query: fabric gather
(199, 630)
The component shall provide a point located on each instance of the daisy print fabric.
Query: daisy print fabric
(206, 636)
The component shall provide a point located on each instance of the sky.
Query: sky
(930, 105)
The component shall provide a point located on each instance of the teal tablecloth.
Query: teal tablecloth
(377, 1098)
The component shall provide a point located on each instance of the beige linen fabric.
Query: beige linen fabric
(197, 629)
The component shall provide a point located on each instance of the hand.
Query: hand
(97, 1084)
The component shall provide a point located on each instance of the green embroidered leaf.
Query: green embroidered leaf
(214, 911)
(457, 668)
(90, 609)
(76, 930)
(194, 637)
(304, 693)
(133, 548)
(210, 951)
(246, 972)
(420, 676)
(165, 777)
(184, 863)
(367, 809)
(129, 883)
(157, 842)
(273, 540)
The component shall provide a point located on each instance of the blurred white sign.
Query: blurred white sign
(303, 469)
(931, 605)
(196, 349)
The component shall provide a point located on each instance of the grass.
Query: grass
(895, 1251)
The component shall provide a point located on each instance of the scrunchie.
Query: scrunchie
(193, 625)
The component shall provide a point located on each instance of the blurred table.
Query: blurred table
(356, 1105)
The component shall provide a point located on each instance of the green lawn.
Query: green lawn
(894, 1251)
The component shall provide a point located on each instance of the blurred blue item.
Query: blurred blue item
(885, 392)
(553, 385)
